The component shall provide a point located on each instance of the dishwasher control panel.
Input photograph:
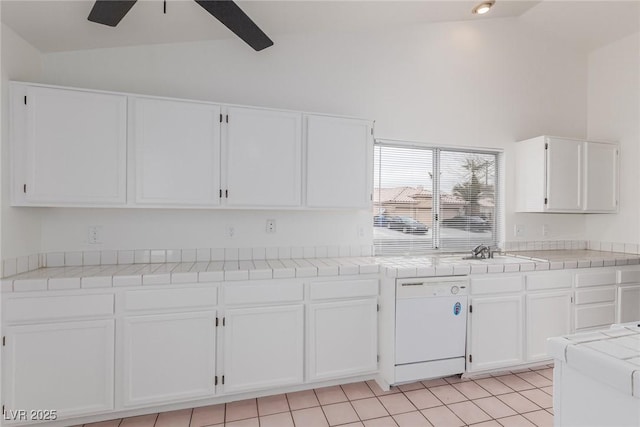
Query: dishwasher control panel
(432, 286)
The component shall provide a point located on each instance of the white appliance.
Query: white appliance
(431, 327)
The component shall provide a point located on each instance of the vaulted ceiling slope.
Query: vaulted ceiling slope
(53, 25)
(62, 25)
(589, 24)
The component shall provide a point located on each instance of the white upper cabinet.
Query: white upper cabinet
(84, 148)
(601, 177)
(263, 157)
(566, 175)
(68, 147)
(339, 162)
(176, 147)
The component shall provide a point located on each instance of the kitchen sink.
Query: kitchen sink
(497, 259)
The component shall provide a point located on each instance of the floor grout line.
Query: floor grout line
(411, 387)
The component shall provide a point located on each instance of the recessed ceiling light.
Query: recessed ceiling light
(483, 8)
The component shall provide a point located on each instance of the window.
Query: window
(428, 198)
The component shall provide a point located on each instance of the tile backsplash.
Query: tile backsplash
(627, 248)
(10, 267)
(545, 245)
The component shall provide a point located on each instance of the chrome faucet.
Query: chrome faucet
(482, 252)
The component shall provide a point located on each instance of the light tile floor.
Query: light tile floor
(518, 398)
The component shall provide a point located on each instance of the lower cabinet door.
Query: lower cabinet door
(64, 367)
(263, 347)
(168, 357)
(342, 339)
(548, 315)
(592, 316)
(496, 335)
(628, 304)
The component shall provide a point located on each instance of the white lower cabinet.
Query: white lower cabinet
(168, 357)
(595, 307)
(548, 315)
(263, 347)
(595, 316)
(342, 338)
(496, 332)
(67, 367)
(628, 303)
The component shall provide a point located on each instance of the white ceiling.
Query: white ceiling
(587, 24)
(59, 25)
(62, 25)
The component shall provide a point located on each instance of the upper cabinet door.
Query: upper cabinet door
(339, 162)
(263, 152)
(564, 174)
(176, 146)
(72, 144)
(601, 176)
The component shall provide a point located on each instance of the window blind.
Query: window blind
(428, 198)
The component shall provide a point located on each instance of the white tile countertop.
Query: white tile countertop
(455, 264)
(611, 356)
(58, 278)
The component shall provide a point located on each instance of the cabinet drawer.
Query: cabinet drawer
(60, 307)
(262, 292)
(590, 316)
(548, 281)
(201, 298)
(344, 289)
(596, 278)
(628, 276)
(590, 296)
(496, 284)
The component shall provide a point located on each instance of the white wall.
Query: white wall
(20, 227)
(614, 114)
(470, 83)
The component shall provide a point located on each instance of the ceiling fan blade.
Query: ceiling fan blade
(110, 12)
(230, 14)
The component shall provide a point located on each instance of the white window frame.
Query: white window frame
(499, 212)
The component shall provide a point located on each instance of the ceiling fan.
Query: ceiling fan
(111, 12)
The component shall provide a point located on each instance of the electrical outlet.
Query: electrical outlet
(360, 231)
(545, 230)
(94, 235)
(271, 226)
(231, 231)
(520, 230)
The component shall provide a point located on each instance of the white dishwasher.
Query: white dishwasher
(431, 327)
